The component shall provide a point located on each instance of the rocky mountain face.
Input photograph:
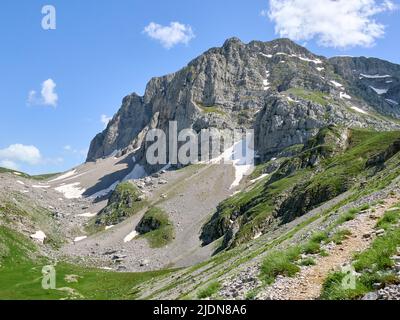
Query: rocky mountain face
(278, 88)
(375, 80)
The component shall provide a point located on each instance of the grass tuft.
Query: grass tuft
(280, 263)
(209, 291)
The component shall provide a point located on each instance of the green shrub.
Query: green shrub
(348, 216)
(307, 262)
(339, 236)
(280, 263)
(389, 218)
(333, 288)
(209, 291)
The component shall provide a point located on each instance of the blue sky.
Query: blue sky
(100, 52)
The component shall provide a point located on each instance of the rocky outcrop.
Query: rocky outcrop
(124, 201)
(379, 159)
(328, 142)
(122, 130)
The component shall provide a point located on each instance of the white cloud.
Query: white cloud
(171, 35)
(333, 23)
(48, 96)
(105, 120)
(8, 164)
(20, 153)
(67, 148)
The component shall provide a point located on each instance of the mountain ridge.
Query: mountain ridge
(243, 79)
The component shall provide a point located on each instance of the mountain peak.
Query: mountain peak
(232, 41)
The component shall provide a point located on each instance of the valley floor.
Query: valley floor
(292, 260)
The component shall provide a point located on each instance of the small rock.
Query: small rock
(144, 263)
(370, 296)
(377, 286)
(396, 258)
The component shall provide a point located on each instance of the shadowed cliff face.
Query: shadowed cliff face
(280, 89)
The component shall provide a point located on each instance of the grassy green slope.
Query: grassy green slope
(297, 187)
(21, 275)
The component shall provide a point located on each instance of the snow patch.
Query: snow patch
(266, 84)
(336, 84)
(17, 173)
(257, 235)
(243, 163)
(379, 91)
(259, 178)
(77, 239)
(316, 61)
(71, 191)
(39, 236)
(359, 110)
(109, 227)
(320, 69)
(240, 155)
(87, 215)
(344, 95)
(20, 182)
(266, 55)
(39, 186)
(392, 102)
(131, 236)
(375, 76)
(64, 176)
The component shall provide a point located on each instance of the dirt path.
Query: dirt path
(307, 284)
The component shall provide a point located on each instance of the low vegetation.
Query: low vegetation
(314, 96)
(156, 227)
(209, 291)
(211, 109)
(280, 263)
(373, 265)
